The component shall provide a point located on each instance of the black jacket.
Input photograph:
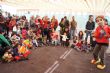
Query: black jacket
(90, 25)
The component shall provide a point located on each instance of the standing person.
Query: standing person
(68, 37)
(73, 25)
(54, 22)
(64, 38)
(46, 29)
(66, 23)
(2, 21)
(32, 21)
(54, 36)
(89, 27)
(102, 35)
(62, 26)
(12, 23)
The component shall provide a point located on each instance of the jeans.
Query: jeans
(72, 33)
(88, 33)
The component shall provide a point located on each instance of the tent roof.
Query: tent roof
(61, 5)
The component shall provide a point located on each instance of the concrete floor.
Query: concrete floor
(55, 60)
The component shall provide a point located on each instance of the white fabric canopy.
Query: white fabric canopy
(94, 6)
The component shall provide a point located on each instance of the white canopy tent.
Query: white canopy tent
(79, 8)
(83, 6)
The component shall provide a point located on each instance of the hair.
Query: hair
(64, 33)
(62, 19)
(74, 41)
(65, 17)
(80, 36)
(90, 16)
(106, 21)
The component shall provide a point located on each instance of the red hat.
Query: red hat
(101, 16)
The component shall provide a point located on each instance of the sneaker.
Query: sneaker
(101, 66)
(95, 62)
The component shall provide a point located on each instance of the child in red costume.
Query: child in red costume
(102, 35)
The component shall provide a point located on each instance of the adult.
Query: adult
(62, 26)
(32, 21)
(73, 25)
(54, 22)
(2, 21)
(90, 26)
(66, 23)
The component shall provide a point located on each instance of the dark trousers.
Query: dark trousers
(63, 43)
(99, 51)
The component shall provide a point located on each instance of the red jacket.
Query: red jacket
(45, 24)
(102, 38)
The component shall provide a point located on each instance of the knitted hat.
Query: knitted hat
(101, 16)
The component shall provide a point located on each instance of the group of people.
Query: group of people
(37, 32)
(22, 35)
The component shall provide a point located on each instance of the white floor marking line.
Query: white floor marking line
(63, 54)
(67, 54)
(56, 62)
(55, 67)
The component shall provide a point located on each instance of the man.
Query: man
(102, 35)
(73, 25)
(89, 26)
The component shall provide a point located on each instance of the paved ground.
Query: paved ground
(55, 60)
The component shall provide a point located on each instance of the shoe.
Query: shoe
(101, 67)
(95, 62)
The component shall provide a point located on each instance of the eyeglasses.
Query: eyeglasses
(98, 20)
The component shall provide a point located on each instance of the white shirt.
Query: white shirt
(64, 37)
(14, 28)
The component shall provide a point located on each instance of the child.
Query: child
(102, 35)
(54, 37)
(30, 33)
(64, 38)
(39, 38)
(24, 33)
(18, 30)
(28, 43)
(15, 38)
(68, 37)
(24, 52)
(34, 41)
(15, 52)
(7, 57)
(85, 46)
(74, 42)
(79, 45)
